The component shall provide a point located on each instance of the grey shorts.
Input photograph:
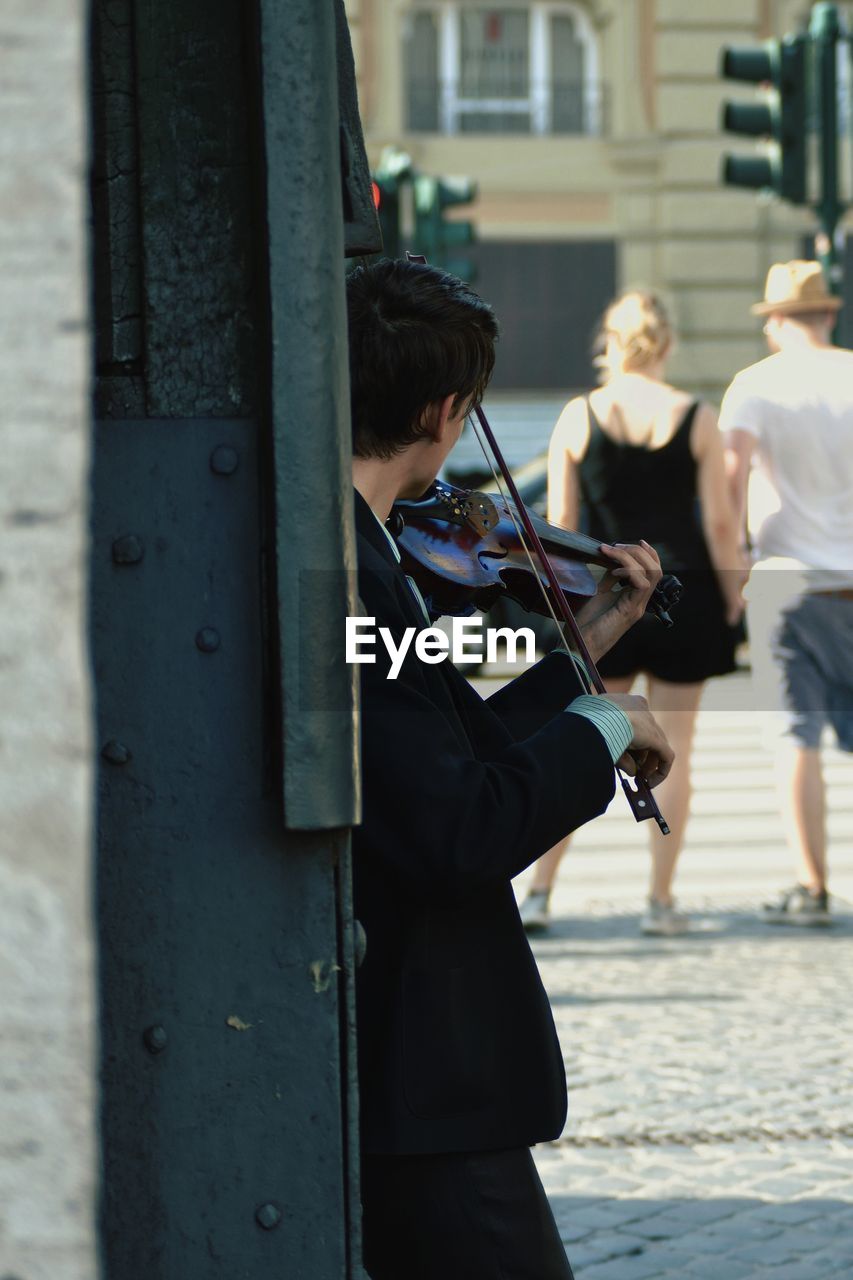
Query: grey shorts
(812, 647)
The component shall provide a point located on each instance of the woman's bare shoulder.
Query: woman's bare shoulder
(677, 397)
(640, 396)
(571, 432)
(705, 431)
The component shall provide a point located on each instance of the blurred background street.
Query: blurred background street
(710, 1132)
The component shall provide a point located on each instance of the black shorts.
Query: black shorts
(698, 645)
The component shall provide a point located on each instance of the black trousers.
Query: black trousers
(479, 1215)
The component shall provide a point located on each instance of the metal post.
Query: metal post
(310, 413)
(221, 548)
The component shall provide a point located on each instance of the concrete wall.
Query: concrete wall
(46, 988)
(651, 183)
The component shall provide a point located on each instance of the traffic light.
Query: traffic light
(436, 236)
(780, 65)
(386, 196)
(390, 180)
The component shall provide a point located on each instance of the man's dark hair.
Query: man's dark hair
(416, 334)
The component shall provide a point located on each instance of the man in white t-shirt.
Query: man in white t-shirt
(791, 415)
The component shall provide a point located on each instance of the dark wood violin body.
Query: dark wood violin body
(464, 550)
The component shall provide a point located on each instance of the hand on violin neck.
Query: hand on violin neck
(622, 595)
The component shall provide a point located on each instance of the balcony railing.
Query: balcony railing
(551, 107)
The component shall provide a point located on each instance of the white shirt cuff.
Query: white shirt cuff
(611, 722)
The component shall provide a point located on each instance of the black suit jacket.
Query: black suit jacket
(457, 1046)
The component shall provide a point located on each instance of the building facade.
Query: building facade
(592, 129)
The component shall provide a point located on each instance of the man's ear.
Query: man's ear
(436, 417)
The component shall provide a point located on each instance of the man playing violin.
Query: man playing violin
(460, 1069)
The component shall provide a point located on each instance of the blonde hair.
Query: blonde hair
(635, 332)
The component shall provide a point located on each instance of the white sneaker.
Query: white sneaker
(663, 921)
(534, 911)
(799, 906)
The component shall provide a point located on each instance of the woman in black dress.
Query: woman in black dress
(647, 460)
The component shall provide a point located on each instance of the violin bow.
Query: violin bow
(637, 790)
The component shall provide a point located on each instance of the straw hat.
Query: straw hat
(795, 286)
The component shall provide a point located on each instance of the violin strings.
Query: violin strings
(522, 537)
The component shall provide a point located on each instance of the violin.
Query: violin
(465, 551)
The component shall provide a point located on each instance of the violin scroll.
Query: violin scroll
(664, 597)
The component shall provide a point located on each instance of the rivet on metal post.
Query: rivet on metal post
(154, 1039)
(207, 640)
(128, 549)
(359, 943)
(224, 460)
(268, 1216)
(115, 752)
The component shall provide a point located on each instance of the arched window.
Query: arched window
(501, 68)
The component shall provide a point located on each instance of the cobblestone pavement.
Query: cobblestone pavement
(710, 1129)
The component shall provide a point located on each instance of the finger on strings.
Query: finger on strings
(641, 554)
(647, 557)
(636, 577)
(626, 570)
(631, 557)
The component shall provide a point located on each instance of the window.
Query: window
(501, 68)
